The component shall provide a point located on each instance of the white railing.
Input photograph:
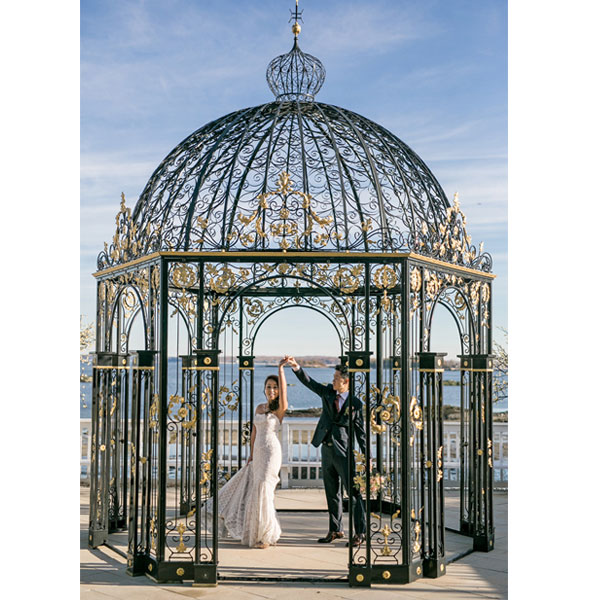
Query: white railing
(301, 461)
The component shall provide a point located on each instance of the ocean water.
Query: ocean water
(299, 396)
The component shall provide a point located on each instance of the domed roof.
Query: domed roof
(296, 174)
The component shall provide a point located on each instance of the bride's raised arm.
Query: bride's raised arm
(283, 403)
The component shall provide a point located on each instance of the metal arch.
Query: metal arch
(270, 314)
(110, 321)
(452, 311)
(130, 325)
(188, 325)
(241, 291)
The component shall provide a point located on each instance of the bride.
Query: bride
(247, 501)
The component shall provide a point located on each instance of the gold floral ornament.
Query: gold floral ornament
(440, 463)
(416, 417)
(416, 282)
(433, 284)
(205, 467)
(222, 280)
(129, 301)
(140, 279)
(124, 245)
(187, 301)
(185, 414)
(184, 276)
(228, 398)
(181, 547)
(153, 532)
(415, 279)
(485, 293)
(254, 309)
(386, 532)
(377, 480)
(108, 291)
(154, 412)
(385, 278)
(417, 541)
(450, 242)
(286, 216)
(388, 410)
(346, 279)
(454, 242)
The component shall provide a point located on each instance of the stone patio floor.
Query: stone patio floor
(472, 576)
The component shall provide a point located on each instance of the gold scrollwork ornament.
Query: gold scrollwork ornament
(223, 282)
(415, 279)
(385, 277)
(346, 280)
(184, 276)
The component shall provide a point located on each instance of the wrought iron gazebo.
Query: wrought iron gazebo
(293, 203)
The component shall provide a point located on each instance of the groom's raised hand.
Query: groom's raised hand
(292, 362)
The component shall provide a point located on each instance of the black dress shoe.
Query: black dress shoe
(332, 535)
(357, 540)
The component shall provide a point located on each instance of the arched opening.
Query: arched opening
(445, 337)
(300, 501)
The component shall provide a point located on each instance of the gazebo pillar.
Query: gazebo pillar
(246, 370)
(359, 369)
(109, 464)
(189, 391)
(206, 364)
(478, 370)
(431, 371)
(142, 391)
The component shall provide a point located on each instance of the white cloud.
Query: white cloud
(105, 165)
(362, 28)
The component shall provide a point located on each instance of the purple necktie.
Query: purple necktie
(338, 403)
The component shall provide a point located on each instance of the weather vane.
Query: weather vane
(295, 15)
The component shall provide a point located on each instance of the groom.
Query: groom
(332, 435)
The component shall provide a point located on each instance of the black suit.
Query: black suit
(332, 435)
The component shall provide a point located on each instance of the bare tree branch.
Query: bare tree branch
(500, 378)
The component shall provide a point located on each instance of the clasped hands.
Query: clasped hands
(289, 360)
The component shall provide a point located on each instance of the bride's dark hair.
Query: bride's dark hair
(273, 404)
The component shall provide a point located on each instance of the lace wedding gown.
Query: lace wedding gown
(247, 500)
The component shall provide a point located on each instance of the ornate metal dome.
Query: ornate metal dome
(294, 174)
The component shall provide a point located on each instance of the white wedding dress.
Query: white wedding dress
(247, 500)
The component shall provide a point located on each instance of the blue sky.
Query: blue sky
(434, 73)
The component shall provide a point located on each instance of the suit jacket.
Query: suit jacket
(337, 423)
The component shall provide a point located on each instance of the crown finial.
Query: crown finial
(295, 75)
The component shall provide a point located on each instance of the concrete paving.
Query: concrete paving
(474, 576)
